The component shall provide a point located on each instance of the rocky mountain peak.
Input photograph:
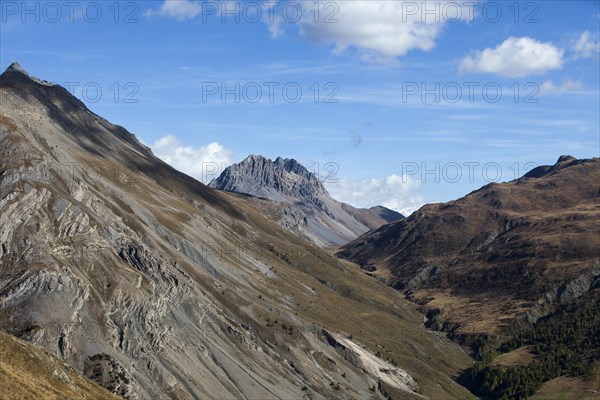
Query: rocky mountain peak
(17, 74)
(16, 67)
(278, 180)
(76, 120)
(565, 159)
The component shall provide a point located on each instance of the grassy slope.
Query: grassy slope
(29, 372)
(569, 388)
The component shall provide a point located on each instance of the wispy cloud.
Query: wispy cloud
(567, 86)
(178, 9)
(586, 47)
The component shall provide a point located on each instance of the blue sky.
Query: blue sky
(393, 108)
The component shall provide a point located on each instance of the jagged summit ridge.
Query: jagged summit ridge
(277, 180)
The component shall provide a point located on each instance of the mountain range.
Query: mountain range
(154, 285)
(123, 277)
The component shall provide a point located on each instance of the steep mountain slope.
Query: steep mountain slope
(307, 207)
(507, 249)
(29, 373)
(156, 286)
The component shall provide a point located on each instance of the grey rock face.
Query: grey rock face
(565, 294)
(282, 180)
(310, 210)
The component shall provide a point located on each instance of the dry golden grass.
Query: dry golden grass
(520, 356)
(29, 372)
(475, 315)
(569, 388)
(8, 123)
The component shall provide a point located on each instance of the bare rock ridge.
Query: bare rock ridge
(509, 250)
(123, 153)
(61, 105)
(311, 211)
(154, 285)
(282, 180)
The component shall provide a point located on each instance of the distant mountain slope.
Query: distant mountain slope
(311, 212)
(29, 373)
(156, 286)
(387, 214)
(501, 251)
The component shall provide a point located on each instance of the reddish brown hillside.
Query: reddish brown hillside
(498, 251)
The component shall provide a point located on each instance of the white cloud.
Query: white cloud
(393, 192)
(584, 47)
(568, 85)
(203, 163)
(178, 9)
(380, 30)
(515, 57)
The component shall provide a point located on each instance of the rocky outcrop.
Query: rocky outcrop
(282, 180)
(108, 373)
(565, 294)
